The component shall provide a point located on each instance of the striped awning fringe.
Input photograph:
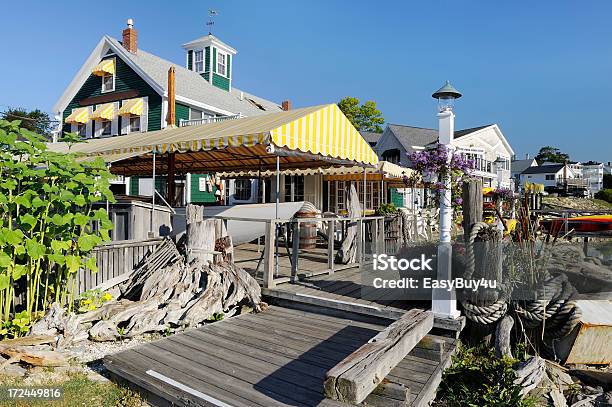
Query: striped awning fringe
(79, 115)
(132, 107)
(104, 112)
(106, 66)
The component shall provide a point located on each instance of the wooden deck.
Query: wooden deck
(343, 290)
(275, 358)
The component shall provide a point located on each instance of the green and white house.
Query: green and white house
(121, 89)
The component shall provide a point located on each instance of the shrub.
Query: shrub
(47, 225)
(478, 378)
(386, 209)
(605, 195)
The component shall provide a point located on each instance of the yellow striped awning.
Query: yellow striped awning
(309, 137)
(80, 115)
(107, 66)
(132, 107)
(105, 111)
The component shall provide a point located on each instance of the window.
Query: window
(134, 123)
(108, 82)
(242, 189)
(199, 60)
(550, 177)
(294, 188)
(82, 129)
(106, 127)
(195, 114)
(221, 63)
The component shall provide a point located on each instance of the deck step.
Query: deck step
(285, 298)
(361, 372)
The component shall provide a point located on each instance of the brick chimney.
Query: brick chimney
(286, 105)
(130, 37)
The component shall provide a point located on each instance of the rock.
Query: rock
(103, 331)
(13, 370)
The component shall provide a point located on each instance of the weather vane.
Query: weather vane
(211, 22)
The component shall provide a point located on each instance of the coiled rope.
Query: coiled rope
(553, 309)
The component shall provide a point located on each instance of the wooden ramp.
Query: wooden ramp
(275, 358)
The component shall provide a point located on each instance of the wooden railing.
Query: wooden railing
(370, 240)
(208, 120)
(114, 259)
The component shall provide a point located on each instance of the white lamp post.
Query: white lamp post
(444, 304)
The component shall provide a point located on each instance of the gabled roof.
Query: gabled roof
(191, 88)
(371, 137)
(544, 169)
(522, 165)
(410, 136)
(465, 132)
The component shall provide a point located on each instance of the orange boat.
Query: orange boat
(591, 223)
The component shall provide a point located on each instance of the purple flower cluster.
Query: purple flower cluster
(436, 161)
(504, 194)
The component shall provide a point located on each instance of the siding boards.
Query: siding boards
(220, 82)
(182, 112)
(125, 79)
(197, 196)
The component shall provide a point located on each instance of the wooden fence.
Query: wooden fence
(114, 259)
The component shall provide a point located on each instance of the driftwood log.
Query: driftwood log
(355, 377)
(502, 337)
(166, 292)
(530, 373)
(348, 252)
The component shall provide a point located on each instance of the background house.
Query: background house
(593, 172)
(557, 178)
(486, 145)
(518, 166)
(121, 89)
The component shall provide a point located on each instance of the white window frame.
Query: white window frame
(195, 60)
(224, 65)
(110, 125)
(130, 123)
(108, 90)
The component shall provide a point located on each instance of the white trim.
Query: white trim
(208, 399)
(164, 122)
(193, 62)
(209, 40)
(188, 188)
(219, 53)
(94, 58)
(107, 90)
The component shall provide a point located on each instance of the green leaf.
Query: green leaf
(5, 282)
(19, 271)
(20, 249)
(80, 219)
(79, 200)
(73, 263)
(92, 264)
(5, 260)
(34, 249)
(37, 202)
(88, 242)
(23, 200)
(28, 219)
(13, 237)
(58, 220)
(59, 246)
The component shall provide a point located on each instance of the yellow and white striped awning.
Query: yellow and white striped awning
(311, 137)
(79, 115)
(104, 112)
(132, 107)
(106, 66)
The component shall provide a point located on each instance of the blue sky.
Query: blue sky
(541, 70)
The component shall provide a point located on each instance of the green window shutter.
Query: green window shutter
(190, 60)
(214, 60)
(228, 65)
(207, 59)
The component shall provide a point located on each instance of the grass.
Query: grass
(78, 391)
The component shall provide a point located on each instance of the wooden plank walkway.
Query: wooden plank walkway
(343, 290)
(275, 358)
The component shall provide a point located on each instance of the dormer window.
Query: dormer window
(108, 82)
(221, 64)
(199, 60)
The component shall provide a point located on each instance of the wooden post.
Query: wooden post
(295, 237)
(472, 205)
(171, 183)
(331, 233)
(201, 234)
(268, 272)
(380, 237)
(171, 98)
